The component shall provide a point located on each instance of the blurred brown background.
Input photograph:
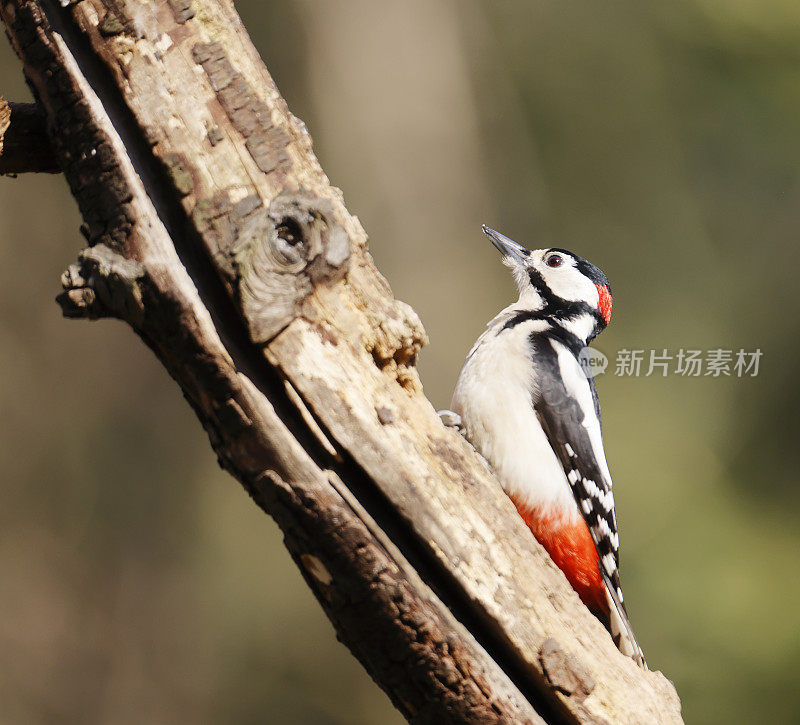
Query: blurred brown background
(660, 140)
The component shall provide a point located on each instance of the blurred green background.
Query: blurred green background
(660, 140)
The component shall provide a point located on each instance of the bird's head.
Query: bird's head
(558, 284)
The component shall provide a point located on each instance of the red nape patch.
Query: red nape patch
(604, 302)
(572, 550)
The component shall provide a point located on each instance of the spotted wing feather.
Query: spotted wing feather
(563, 419)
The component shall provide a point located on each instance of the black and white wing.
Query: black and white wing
(566, 404)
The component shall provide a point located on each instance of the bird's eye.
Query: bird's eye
(554, 260)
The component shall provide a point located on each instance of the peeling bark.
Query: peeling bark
(215, 234)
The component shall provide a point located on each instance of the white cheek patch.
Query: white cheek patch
(566, 281)
(571, 285)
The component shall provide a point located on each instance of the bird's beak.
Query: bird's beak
(507, 247)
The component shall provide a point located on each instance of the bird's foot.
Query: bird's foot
(451, 419)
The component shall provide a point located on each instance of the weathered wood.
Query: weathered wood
(214, 232)
(24, 143)
(429, 664)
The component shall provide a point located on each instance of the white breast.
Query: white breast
(493, 398)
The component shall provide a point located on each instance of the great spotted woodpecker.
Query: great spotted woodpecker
(527, 406)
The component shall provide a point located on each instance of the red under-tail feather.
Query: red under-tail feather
(572, 550)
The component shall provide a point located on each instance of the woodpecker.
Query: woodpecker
(526, 405)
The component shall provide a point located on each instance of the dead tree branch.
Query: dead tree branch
(215, 234)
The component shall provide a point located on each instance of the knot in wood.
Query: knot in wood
(281, 254)
(302, 235)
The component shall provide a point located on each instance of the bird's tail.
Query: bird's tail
(620, 627)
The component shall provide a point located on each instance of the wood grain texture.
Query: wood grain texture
(215, 233)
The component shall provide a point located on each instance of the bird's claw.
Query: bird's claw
(451, 419)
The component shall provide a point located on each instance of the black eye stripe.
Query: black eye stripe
(554, 305)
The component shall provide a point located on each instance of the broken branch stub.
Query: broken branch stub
(24, 144)
(103, 284)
